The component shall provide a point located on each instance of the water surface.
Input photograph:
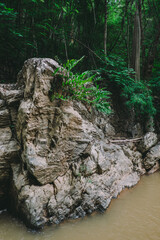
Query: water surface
(135, 215)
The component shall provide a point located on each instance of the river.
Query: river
(134, 215)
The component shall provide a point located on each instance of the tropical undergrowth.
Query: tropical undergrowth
(138, 95)
(85, 87)
(82, 87)
(155, 86)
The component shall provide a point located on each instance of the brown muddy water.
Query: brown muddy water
(135, 215)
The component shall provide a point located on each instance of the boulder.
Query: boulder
(148, 141)
(152, 157)
(66, 166)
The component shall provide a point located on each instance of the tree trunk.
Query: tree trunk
(152, 54)
(136, 43)
(143, 46)
(105, 28)
(128, 44)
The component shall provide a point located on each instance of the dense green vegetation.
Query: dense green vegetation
(81, 86)
(119, 39)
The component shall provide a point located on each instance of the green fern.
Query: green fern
(80, 87)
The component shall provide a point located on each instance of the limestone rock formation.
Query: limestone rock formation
(149, 140)
(67, 166)
(9, 148)
(152, 157)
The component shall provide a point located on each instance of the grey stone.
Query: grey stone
(10, 96)
(152, 157)
(2, 104)
(5, 135)
(154, 168)
(137, 130)
(109, 130)
(4, 118)
(148, 141)
(9, 150)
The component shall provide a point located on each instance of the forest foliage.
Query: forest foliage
(119, 39)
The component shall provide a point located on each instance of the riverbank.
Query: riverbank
(134, 215)
(66, 160)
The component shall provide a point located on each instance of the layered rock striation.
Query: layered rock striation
(9, 147)
(60, 158)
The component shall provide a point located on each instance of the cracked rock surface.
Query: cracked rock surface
(67, 166)
(9, 148)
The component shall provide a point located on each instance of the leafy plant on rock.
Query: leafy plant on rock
(82, 87)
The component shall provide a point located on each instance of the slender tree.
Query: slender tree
(136, 41)
(105, 27)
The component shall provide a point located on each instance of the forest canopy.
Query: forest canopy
(120, 39)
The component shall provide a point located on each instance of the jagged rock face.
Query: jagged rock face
(35, 122)
(152, 157)
(68, 167)
(9, 147)
(148, 141)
